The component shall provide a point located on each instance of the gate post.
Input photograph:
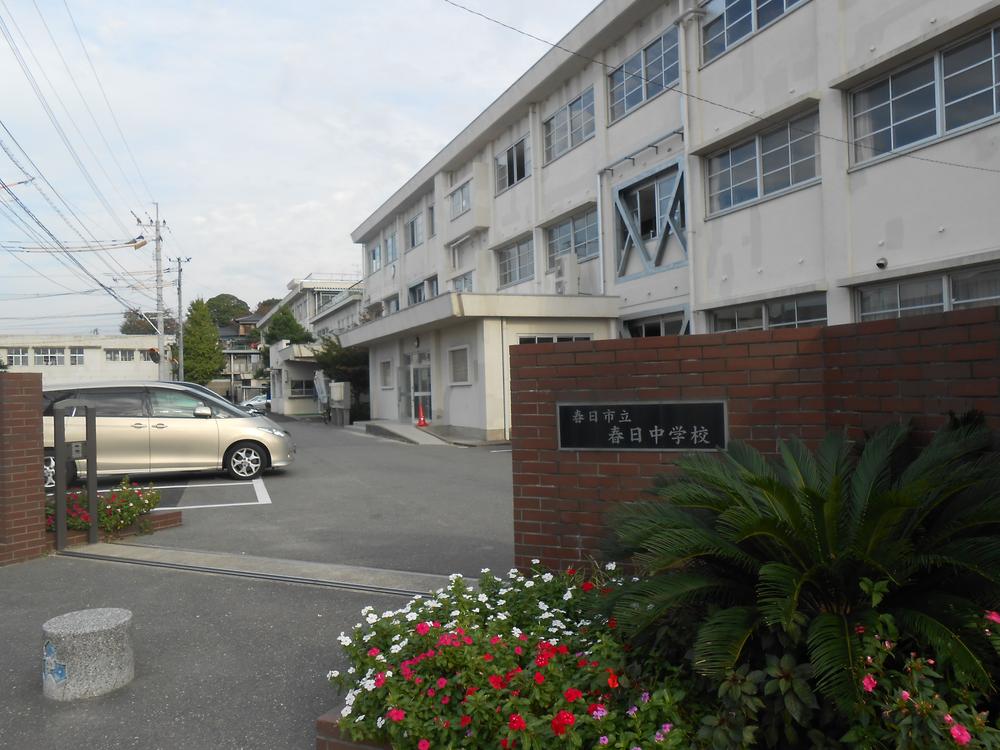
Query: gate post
(22, 496)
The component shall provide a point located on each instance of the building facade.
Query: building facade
(81, 359)
(692, 167)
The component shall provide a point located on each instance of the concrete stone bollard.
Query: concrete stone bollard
(87, 653)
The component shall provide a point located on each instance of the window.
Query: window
(391, 304)
(374, 257)
(577, 234)
(905, 107)
(144, 355)
(117, 402)
(415, 294)
(49, 356)
(513, 165)
(302, 389)
(552, 339)
(430, 221)
(901, 299)
(648, 204)
(790, 312)
(768, 163)
(461, 200)
(415, 231)
(173, 404)
(432, 287)
(391, 252)
(17, 356)
(976, 288)
(119, 355)
(458, 362)
(728, 21)
(76, 355)
(644, 75)
(517, 262)
(462, 283)
(385, 373)
(569, 126)
(663, 325)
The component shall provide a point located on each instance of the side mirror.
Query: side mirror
(203, 412)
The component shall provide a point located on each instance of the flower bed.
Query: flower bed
(123, 511)
(518, 663)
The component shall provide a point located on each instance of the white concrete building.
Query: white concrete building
(80, 359)
(695, 167)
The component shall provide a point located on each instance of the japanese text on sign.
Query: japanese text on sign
(643, 426)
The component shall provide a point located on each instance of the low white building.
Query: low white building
(79, 359)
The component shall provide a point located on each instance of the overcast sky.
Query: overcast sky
(266, 131)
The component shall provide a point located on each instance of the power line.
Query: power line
(687, 94)
(108, 103)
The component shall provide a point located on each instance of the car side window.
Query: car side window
(51, 398)
(116, 402)
(173, 404)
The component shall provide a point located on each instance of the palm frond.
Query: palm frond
(669, 547)
(944, 634)
(872, 475)
(641, 604)
(833, 654)
(722, 638)
(778, 590)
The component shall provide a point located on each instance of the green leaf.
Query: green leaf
(832, 652)
(722, 638)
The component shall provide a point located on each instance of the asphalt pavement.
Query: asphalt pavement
(240, 660)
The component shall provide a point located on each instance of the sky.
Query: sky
(265, 131)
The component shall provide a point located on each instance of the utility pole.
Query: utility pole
(180, 316)
(162, 372)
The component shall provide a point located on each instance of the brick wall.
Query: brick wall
(776, 384)
(22, 500)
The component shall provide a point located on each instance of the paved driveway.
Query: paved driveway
(355, 499)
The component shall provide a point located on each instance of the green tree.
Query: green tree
(134, 324)
(203, 357)
(225, 308)
(345, 364)
(283, 325)
(808, 549)
(264, 306)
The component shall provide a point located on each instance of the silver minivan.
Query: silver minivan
(161, 427)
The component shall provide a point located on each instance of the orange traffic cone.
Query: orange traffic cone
(421, 422)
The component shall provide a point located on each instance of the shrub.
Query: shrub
(117, 510)
(516, 663)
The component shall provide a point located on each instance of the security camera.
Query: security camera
(881, 264)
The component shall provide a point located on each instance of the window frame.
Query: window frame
(465, 204)
(941, 104)
(77, 356)
(120, 355)
(20, 353)
(509, 157)
(49, 356)
(391, 248)
(549, 125)
(411, 297)
(515, 261)
(552, 255)
(451, 366)
(466, 280)
(386, 381)
(374, 257)
(789, 6)
(757, 139)
(642, 75)
(431, 230)
(309, 391)
(553, 338)
(415, 232)
(765, 323)
(391, 304)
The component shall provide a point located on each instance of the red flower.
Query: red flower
(612, 623)
(423, 628)
(561, 721)
(612, 679)
(539, 678)
(396, 714)
(442, 682)
(487, 656)
(496, 681)
(572, 694)
(374, 652)
(587, 586)
(424, 745)
(571, 571)
(517, 723)
(465, 721)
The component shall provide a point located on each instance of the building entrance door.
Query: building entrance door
(420, 384)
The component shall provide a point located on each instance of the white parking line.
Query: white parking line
(197, 507)
(263, 498)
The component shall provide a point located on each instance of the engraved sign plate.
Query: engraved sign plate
(643, 426)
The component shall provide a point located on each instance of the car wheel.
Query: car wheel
(245, 461)
(49, 470)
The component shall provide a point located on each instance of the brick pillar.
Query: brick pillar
(22, 497)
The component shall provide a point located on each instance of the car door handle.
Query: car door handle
(138, 425)
(160, 426)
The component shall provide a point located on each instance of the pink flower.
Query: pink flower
(396, 714)
(948, 719)
(424, 745)
(423, 628)
(960, 734)
(869, 683)
(904, 695)
(993, 617)
(374, 651)
(442, 682)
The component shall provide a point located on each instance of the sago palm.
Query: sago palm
(764, 547)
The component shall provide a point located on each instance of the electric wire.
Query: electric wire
(108, 103)
(704, 100)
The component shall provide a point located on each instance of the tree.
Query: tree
(345, 364)
(810, 550)
(225, 308)
(203, 357)
(283, 325)
(134, 324)
(264, 306)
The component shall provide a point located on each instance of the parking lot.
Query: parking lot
(353, 499)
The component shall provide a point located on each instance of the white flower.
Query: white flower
(485, 570)
(454, 613)
(344, 640)
(380, 722)
(528, 584)
(411, 616)
(359, 719)
(610, 566)
(543, 606)
(558, 624)
(482, 597)
(568, 595)
(346, 710)
(366, 610)
(501, 615)
(454, 576)
(332, 673)
(350, 670)
(512, 573)
(547, 577)
(371, 618)
(535, 561)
